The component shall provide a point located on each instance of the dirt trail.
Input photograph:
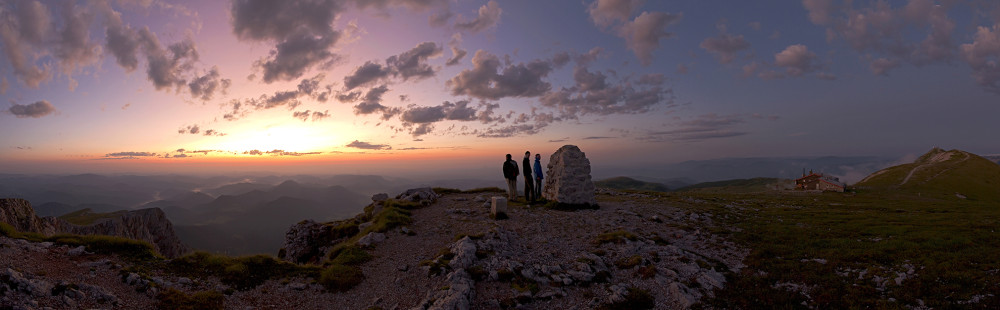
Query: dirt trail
(936, 159)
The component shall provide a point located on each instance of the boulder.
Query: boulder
(371, 239)
(302, 241)
(568, 178)
(418, 195)
(499, 206)
(380, 197)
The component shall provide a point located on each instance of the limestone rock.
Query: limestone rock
(568, 177)
(371, 239)
(303, 240)
(380, 197)
(150, 225)
(419, 195)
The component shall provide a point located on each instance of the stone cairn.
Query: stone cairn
(568, 177)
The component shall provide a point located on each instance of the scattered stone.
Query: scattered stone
(77, 251)
(480, 198)
(371, 239)
(405, 230)
(461, 199)
(298, 286)
(25, 283)
(568, 177)
(419, 195)
(364, 225)
(380, 197)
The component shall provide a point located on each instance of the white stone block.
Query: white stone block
(499, 206)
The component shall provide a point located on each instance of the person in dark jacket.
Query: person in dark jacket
(510, 174)
(529, 182)
(538, 176)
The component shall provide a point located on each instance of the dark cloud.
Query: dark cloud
(302, 29)
(365, 74)
(489, 17)
(368, 146)
(74, 48)
(560, 59)
(509, 131)
(253, 152)
(120, 39)
(213, 133)
(517, 80)
(607, 13)
(420, 119)
(204, 87)
(372, 103)
(592, 93)
(725, 46)
(33, 110)
(130, 154)
(440, 19)
(456, 56)
(412, 63)
(652, 79)
(165, 67)
(307, 88)
(280, 153)
(316, 115)
(597, 138)
(191, 129)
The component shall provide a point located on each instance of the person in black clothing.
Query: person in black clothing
(510, 174)
(529, 182)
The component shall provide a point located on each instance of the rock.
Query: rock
(77, 251)
(18, 213)
(371, 239)
(618, 293)
(419, 195)
(298, 286)
(461, 291)
(380, 197)
(307, 240)
(185, 281)
(24, 283)
(364, 225)
(465, 254)
(100, 294)
(132, 279)
(95, 264)
(406, 230)
(568, 177)
(581, 276)
(499, 206)
(479, 198)
(679, 293)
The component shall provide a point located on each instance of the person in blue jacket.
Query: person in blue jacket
(538, 176)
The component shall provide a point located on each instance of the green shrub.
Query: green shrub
(339, 278)
(351, 255)
(634, 299)
(8, 231)
(616, 237)
(477, 272)
(175, 299)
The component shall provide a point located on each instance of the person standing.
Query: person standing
(529, 188)
(510, 174)
(538, 176)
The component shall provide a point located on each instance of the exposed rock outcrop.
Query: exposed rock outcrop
(150, 225)
(568, 177)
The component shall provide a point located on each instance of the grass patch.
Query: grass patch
(242, 273)
(8, 231)
(87, 217)
(445, 190)
(477, 272)
(615, 237)
(340, 278)
(634, 299)
(389, 218)
(485, 190)
(175, 299)
(131, 249)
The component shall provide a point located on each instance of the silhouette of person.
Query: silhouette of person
(529, 182)
(510, 175)
(538, 176)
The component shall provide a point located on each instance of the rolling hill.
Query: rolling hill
(631, 184)
(952, 174)
(738, 186)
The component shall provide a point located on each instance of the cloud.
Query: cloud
(130, 154)
(412, 63)
(510, 131)
(643, 34)
(213, 133)
(701, 128)
(606, 13)
(204, 87)
(191, 129)
(302, 29)
(21, 30)
(368, 146)
(365, 74)
(420, 119)
(882, 66)
(34, 110)
(164, 67)
(253, 152)
(484, 82)
(597, 138)
(309, 88)
(74, 48)
(725, 46)
(592, 93)
(797, 60)
(819, 10)
(489, 17)
(316, 115)
(372, 103)
(982, 56)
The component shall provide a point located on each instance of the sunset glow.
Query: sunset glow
(142, 86)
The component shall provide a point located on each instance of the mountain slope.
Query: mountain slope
(949, 174)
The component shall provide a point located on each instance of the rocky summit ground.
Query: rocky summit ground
(635, 251)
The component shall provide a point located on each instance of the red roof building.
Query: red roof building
(820, 182)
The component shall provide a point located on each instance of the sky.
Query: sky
(392, 86)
